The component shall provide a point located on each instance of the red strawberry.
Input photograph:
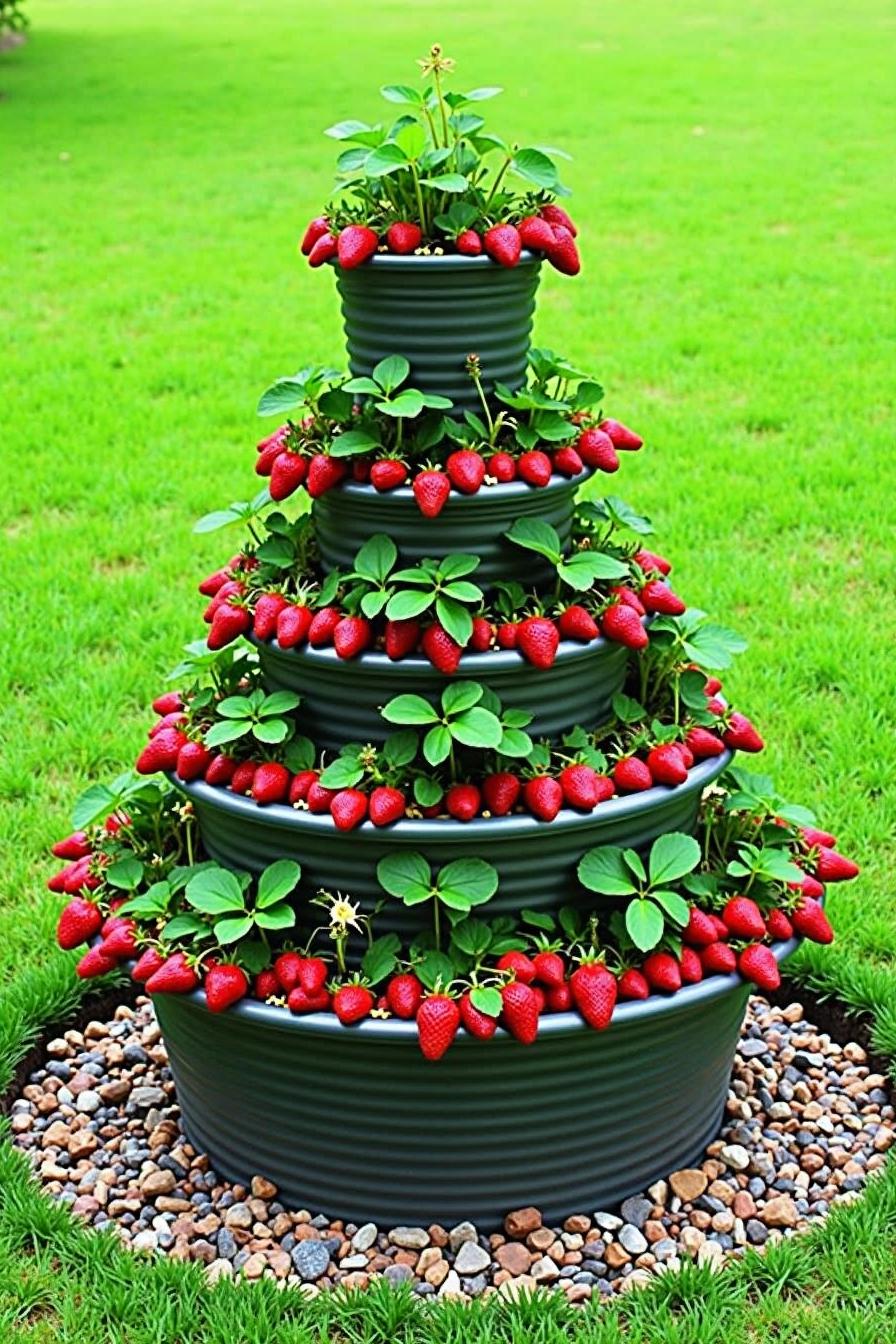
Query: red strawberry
(431, 491)
(312, 973)
(243, 776)
(810, 920)
(300, 1001)
(220, 770)
(580, 787)
(193, 760)
(501, 467)
(555, 214)
(662, 972)
(441, 650)
(232, 588)
(404, 994)
(520, 1011)
(174, 976)
(577, 623)
(300, 784)
(537, 639)
(712, 686)
(718, 959)
(324, 472)
(743, 918)
(293, 624)
(361, 469)
(691, 966)
(477, 1023)
(502, 243)
(323, 623)
(351, 636)
(169, 703)
(715, 706)
(543, 797)
(57, 882)
(319, 798)
(564, 255)
(168, 721)
(628, 598)
(741, 735)
(266, 985)
(267, 456)
(623, 625)
(94, 962)
(355, 245)
(231, 619)
(778, 926)
(522, 966)
(289, 471)
(351, 1003)
(558, 998)
(388, 474)
(666, 765)
(649, 561)
(501, 792)
(161, 752)
(567, 461)
(225, 984)
(270, 783)
(482, 636)
(78, 877)
(659, 597)
(387, 805)
(316, 229)
(810, 834)
(401, 638)
(833, 867)
(536, 233)
(505, 635)
(402, 237)
(595, 448)
(632, 775)
(326, 247)
(550, 969)
(594, 993)
(622, 437)
(146, 965)
(74, 846)
(466, 470)
(264, 618)
(286, 969)
(348, 809)
(463, 801)
(438, 1019)
(757, 963)
(632, 985)
(120, 941)
(213, 583)
(468, 243)
(535, 467)
(810, 886)
(700, 929)
(703, 744)
(79, 921)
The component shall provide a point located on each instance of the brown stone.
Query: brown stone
(438, 1236)
(744, 1205)
(82, 1144)
(577, 1222)
(780, 1212)
(521, 1222)
(540, 1239)
(688, 1184)
(157, 1183)
(514, 1257)
(115, 1091)
(263, 1188)
(169, 1204)
(616, 1255)
(654, 1230)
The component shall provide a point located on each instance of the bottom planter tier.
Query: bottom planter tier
(354, 1123)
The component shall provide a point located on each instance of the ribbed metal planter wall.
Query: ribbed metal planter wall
(437, 310)
(536, 861)
(471, 524)
(353, 1122)
(341, 700)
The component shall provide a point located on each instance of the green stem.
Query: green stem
(436, 924)
(488, 415)
(438, 84)
(419, 194)
(432, 126)
(497, 182)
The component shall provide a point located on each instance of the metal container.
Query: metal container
(354, 1123)
(436, 311)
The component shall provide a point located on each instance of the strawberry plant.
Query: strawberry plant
(469, 715)
(258, 716)
(579, 570)
(611, 871)
(458, 886)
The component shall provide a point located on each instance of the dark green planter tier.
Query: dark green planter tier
(341, 699)
(436, 311)
(536, 861)
(344, 518)
(353, 1122)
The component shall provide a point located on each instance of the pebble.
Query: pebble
(311, 1260)
(471, 1259)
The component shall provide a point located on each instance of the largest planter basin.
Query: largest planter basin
(354, 1123)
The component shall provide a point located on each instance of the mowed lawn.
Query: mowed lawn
(733, 179)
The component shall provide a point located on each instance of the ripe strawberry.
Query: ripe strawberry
(351, 1003)
(293, 624)
(324, 472)
(266, 985)
(632, 985)
(778, 926)
(401, 638)
(718, 959)
(543, 797)
(318, 798)
(348, 809)
(78, 877)
(550, 969)
(120, 942)
(502, 243)
(161, 752)
(810, 920)
(463, 801)
(703, 744)
(431, 491)
(300, 784)
(286, 969)
(666, 765)
(690, 966)
(594, 993)
(555, 214)
(466, 470)
(225, 984)
(264, 618)
(810, 886)
(193, 760)
(623, 625)
(441, 650)
(289, 471)
(404, 994)
(520, 1013)
(662, 972)
(534, 467)
(628, 598)
(482, 636)
(213, 583)
(231, 619)
(232, 588)
(323, 250)
(567, 461)
(743, 918)
(167, 721)
(811, 834)
(536, 233)
(833, 867)
(299, 1001)
(478, 1024)
(387, 805)
(757, 963)
(580, 787)
(57, 882)
(94, 962)
(402, 237)
(632, 775)
(659, 597)
(712, 686)
(622, 437)
(355, 244)
(564, 255)
(501, 792)
(741, 735)
(501, 467)
(595, 448)
(323, 623)
(78, 922)
(243, 777)
(269, 451)
(438, 1019)
(74, 846)
(715, 706)
(505, 635)
(700, 929)
(352, 636)
(537, 639)
(270, 783)
(169, 703)
(649, 561)
(316, 229)
(360, 469)
(174, 976)
(220, 770)
(522, 966)
(468, 243)
(558, 998)
(576, 622)
(146, 965)
(312, 974)
(388, 474)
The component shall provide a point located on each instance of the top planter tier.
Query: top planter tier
(436, 311)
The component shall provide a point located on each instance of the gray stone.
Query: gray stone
(311, 1259)
(632, 1239)
(409, 1238)
(364, 1237)
(735, 1156)
(396, 1274)
(636, 1211)
(461, 1233)
(471, 1259)
(144, 1097)
(608, 1222)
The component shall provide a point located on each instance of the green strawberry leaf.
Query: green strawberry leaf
(675, 906)
(435, 968)
(605, 870)
(405, 875)
(183, 926)
(671, 856)
(391, 371)
(280, 916)
(376, 558)
(353, 442)
(125, 874)
(276, 883)
(486, 999)
(437, 744)
(536, 536)
(407, 606)
(455, 618)
(409, 709)
(476, 727)
(215, 891)
(644, 924)
(459, 696)
(381, 958)
(271, 730)
(233, 927)
(280, 702)
(473, 879)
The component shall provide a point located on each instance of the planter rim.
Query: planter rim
(447, 261)
(505, 490)
(426, 829)
(394, 1030)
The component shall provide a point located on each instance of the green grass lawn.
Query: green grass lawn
(733, 170)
